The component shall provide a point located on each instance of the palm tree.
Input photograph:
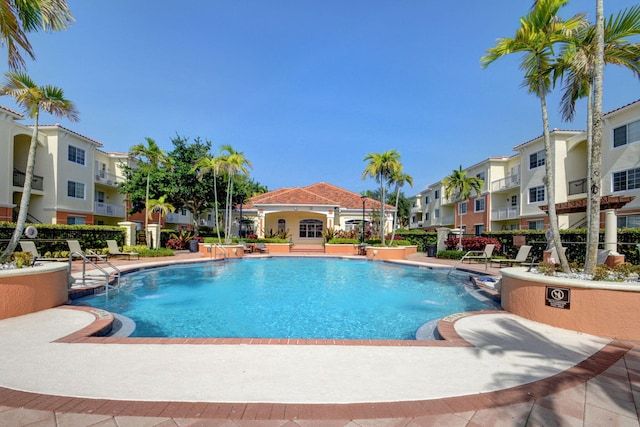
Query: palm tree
(382, 166)
(577, 66)
(233, 163)
(399, 179)
(159, 205)
(18, 17)
(458, 187)
(211, 165)
(540, 31)
(149, 158)
(32, 98)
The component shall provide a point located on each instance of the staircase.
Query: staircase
(306, 249)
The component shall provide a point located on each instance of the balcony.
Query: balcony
(506, 183)
(18, 180)
(578, 186)
(415, 209)
(106, 209)
(176, 218)
(511, 212)
(102, 177)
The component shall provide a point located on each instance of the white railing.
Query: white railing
(505, 213)
(176, 218)
(107, 209)
(415, 209)
(106, 178)
(506, 183)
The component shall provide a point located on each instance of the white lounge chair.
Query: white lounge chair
(484, 255)
(520, 258)
(76, 251)
(114, 250)
(260, 247)
(27, 246)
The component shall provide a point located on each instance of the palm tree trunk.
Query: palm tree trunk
(382, 219)
(146, 215)
(550, 185)
(595, 154)
(26, 194)
(395, 216)
(215, 198)
(227, 233)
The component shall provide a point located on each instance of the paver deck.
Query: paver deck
(496, 369)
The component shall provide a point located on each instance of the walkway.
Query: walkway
(495, 369)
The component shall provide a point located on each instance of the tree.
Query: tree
(233, 163)
(18, 17)
(159, 205)
(577, 68)
(540, 31)
(33, 99)
(211, 165)
(458, 187)
(382, 166)
(399, 179)
(148, 159)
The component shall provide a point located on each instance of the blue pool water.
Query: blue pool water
(287, 298)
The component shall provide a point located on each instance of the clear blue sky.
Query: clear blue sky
(306, 88)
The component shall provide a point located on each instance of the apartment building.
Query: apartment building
(75, 182)
(514, 194)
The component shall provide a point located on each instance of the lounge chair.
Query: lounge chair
(484, 255)
(520, 258)
(76, 251)
(27, 246)
(260, 247)
(246, 249)
(115, 251)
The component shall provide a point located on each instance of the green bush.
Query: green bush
(401, 243)
(145, 252)
(342, 241)
(450, 254)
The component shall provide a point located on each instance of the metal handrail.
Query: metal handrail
(225, 254)
(107, 275)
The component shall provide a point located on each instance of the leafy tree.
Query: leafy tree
(382, 166)
(159, 205)
(210, 165)
(458, 186)
(18, 17)
(33, 99)
(578, 66)
(148, 159)
(540, 31)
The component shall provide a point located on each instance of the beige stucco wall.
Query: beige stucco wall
(293, 219)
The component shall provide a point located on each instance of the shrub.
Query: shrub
(476, 243)
(601, 272)
(547, 268)
(145, 252)
(22, 259)
(450, 254)
(400, 242)
(343, 241)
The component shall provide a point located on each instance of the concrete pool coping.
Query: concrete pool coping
(497, 357)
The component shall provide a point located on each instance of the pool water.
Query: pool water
(287, 298)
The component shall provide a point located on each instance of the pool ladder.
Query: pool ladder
(214, 253)
(86, 258)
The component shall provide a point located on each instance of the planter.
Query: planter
(220, 251)
(278, 248)
(389, 253)
(27, 290)
(608, 309)
(341, 249)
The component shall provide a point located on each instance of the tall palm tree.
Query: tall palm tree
(540, 31)
(18, 17)
(33, 99)
(458, 187)
(149, 158)
(233, 163)
(577, 66)
(211, 165)
(382, 166)
(399, 179)
(159, 205)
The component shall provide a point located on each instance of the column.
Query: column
(129, 232)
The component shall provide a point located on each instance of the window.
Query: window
(100, 196)
(536, 225)
(631, 221)
(536, 159)
(536, 194)
(436, 213)
(356, 224)
(626, 180)
(462, 208)
(480, 204)
(282, 225)
(478, 229)
(75, 220)
(426, 200)
(626, 134)
(482, 176)
(75, 190)
(76, 155)
(436, 194)
(514, 200)
(311, 228)
(426, 216)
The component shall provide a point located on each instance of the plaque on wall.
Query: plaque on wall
(558, 297)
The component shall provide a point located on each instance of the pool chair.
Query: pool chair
(246, 249)
(260, 247)
(27, 246)
(75, 252)
(116, 252)
(482, 256)
(521, 257)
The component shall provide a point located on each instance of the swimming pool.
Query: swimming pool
(287, 298)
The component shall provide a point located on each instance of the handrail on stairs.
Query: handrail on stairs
(86, 257)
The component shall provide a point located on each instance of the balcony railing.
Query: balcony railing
(415, 209)
(505, 213)
(18, 180)
(105, 178)
(578, 186)
(506, 183)
(176, 218)
(107, 209)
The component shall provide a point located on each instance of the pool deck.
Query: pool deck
(493, 369)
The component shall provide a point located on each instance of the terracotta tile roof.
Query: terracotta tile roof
(316, 194)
